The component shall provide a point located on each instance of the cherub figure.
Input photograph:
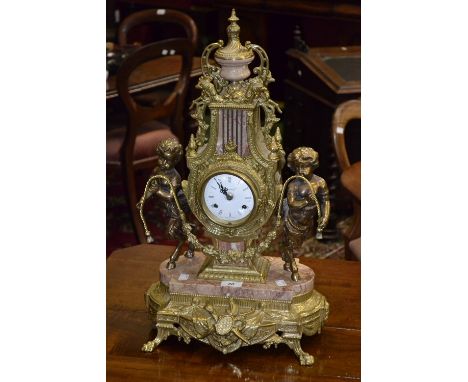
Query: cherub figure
(208, 94)
(300, 207)
(169, 152)
(208, 90)
(259, 91)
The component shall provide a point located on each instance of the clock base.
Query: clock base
(253, 271)
(227, 316)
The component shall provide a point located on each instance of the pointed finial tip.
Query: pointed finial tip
(233, 17)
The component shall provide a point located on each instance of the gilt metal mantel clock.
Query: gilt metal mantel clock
(227, 294)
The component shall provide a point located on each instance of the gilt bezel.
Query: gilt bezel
(213, 217)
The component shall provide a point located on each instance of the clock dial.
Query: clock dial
(228, 198)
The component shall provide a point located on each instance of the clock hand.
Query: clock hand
(220, 185)
(224, 190)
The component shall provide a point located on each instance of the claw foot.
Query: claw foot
(163, 333)
(306, 359)
(148, 347)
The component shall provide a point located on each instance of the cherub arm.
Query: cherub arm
(165, 192)
(324, 200)
(293, 202)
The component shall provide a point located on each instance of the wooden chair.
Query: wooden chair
(157, 16)
(132, 148)
(191, 33)
(350, 173)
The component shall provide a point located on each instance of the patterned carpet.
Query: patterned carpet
(120, 233)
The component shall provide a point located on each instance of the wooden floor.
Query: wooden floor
(337, 350)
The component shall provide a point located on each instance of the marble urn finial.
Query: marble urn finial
(234, 58)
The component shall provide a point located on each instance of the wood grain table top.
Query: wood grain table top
(337, 350)
(153, 74)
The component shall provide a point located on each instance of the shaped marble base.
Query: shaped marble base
(278, 286)
(227, 316)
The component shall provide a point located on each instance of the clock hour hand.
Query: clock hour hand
(221, 188)
(224, 190)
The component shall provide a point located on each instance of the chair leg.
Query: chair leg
(129, 181)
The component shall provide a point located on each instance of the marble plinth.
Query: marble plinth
(278, 286)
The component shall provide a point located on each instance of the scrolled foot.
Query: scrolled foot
(170, 265)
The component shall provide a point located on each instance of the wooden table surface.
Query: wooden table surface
(154, 73)
(337, 350)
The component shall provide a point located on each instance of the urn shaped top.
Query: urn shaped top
(234, 50)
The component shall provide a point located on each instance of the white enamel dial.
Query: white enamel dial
(228, 198)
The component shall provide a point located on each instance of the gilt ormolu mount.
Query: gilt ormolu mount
(227, 294)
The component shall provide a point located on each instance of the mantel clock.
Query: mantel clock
(227, 294)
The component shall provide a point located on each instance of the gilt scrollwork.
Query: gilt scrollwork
(229, 323)
(252, 92)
